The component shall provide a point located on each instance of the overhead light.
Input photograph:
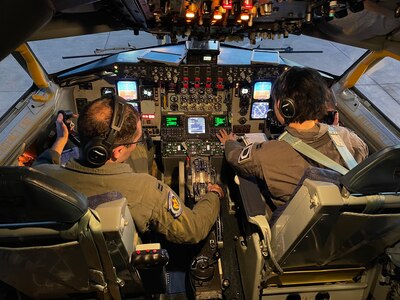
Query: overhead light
(244, 16)
(189, 14)
(217, 14)
(191, 11)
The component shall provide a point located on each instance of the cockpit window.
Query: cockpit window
(330, 57)
(59, 54)
(380, 85)
(14, 83)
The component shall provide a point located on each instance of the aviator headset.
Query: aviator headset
(99, 149)
(287, 108)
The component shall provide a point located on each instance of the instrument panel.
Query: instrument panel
(189, 103)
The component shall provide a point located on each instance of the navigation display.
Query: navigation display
(219, 121)
(127, 89)
(262, 90)
(172, 121)
(196, 125)
(259, 110)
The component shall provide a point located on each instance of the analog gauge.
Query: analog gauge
(193, 99)
(192, 90)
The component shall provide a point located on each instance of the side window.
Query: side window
(381, 85)
(14, 82)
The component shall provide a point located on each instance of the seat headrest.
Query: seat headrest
(29, 196)
(379, 173)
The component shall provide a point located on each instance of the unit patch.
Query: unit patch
(245, 155)
(174, 205)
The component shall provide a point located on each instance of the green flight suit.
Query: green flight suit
(153, 204)
(281, 167)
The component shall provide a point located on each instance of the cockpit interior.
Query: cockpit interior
(335, 239)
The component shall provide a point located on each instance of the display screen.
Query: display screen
(262, 90)
(259, 110)
(196, 125)
(219, 121)
(172, 121)
(127, 89)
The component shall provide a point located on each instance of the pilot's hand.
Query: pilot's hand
(216, 189)
(223, 136)
(62, 135)
(61, 128)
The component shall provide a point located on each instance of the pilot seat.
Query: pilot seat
(57, 244)
(330, 240)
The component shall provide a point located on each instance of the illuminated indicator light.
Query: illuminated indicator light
(148, 116)
(115, 67)
(154, 251)
(147, 251)
(137, 252)
(217, 15)
(247, 4)
(191, 11)
(189, 14)
(244, 16)
(227, 4)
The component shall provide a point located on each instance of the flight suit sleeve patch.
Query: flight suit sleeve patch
(245, 155)
(174, 205)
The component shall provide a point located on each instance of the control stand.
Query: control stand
(205, 268)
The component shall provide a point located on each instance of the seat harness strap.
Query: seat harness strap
(341, 147)
(317, 156)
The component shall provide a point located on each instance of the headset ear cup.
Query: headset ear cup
(96, 153)
(287, 108)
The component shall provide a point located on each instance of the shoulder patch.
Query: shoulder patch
(245, 155)
(174, 205)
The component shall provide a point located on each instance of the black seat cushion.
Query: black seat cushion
(379, 173)
(29, 196)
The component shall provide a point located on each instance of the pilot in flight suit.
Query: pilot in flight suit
(153, 205)
(276, 162)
